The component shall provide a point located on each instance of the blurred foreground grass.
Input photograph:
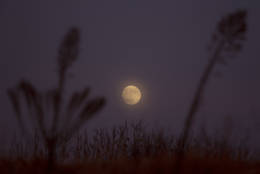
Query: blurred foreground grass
(130, 148)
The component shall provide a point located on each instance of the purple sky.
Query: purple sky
(159, 45)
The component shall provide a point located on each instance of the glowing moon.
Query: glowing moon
(131, 95)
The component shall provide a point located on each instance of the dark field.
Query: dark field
(130, 148)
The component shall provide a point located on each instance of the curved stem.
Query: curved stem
(195, 104)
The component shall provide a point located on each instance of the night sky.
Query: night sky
(161, 46)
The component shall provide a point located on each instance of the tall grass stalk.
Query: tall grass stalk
(226, 42)
(67, 117)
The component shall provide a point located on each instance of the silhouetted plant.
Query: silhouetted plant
(73, 113)
(227, 40)
(134, 142)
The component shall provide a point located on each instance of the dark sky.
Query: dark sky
(158, 45)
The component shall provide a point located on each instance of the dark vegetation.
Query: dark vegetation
(55, 119)
(132, 148)
(226, 42)
(56, 145)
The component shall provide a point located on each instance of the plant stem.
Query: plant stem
(195, 105)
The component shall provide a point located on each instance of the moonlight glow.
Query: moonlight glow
(131, 95)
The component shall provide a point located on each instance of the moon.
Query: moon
(131, 95)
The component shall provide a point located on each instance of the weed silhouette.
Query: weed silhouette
(57, 131)
(131, 148)
(226, 41)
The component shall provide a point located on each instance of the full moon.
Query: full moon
(131, 95)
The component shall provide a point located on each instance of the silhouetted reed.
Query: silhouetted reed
(132, 148)
(133, 141)
(67, 117)
(227, 40)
